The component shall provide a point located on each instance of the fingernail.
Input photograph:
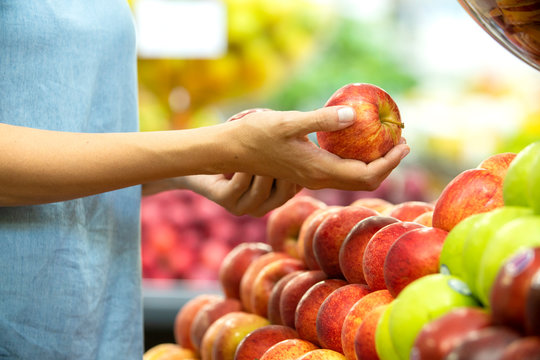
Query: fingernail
(405, 152)
(403, 140)
(346, 115)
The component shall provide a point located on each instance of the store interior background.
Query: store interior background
(461, 95)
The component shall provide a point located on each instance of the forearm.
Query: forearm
(38, 166)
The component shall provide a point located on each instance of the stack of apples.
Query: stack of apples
(304, 290)
(377, 280)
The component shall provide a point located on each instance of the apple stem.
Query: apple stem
(398, 123)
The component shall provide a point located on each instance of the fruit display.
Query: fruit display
(402, 289)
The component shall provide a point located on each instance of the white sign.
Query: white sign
(181, 28)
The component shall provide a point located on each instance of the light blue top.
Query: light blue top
(70, 279)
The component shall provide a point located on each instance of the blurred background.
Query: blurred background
(461, 95)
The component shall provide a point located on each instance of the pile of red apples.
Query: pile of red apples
(455, 279)
(370, 280)
(292, 290)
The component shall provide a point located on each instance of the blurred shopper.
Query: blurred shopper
(71, 166)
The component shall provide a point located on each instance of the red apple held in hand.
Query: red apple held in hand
(509, 291)
(473, 191)
(498, 164)
(235, 264)
(377, 127)
(185, 316)
(267, 278)
(440, 336)
(274, 313)
(293, 292)
(305, 237)
(413, 255)
(364, 337)
(377, 204)
(525, 348)
(486, 343)
(257, 342)
(356, 316)
(333, 311)
(284, 223)
(208, 314)
(305, 321)
(410, 210)
(377, 248)
(290, 349)
(332, 232)
(246, 284)
(351, 253)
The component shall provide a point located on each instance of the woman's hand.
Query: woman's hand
(243, 194)
(276, 144)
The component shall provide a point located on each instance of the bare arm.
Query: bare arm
(38, 166)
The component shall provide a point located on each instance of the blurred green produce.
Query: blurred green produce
(357, 52)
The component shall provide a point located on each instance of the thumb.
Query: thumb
(329, 118)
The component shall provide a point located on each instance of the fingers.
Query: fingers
(256, 195)
(325, 119)
(388, 162)
(347, 174)
(264, 195)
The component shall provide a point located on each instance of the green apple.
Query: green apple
(513, 237)
(480, 235)
(516, 181)
(422, 301)
(451, 258)
(383, 341)
(534, 185)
